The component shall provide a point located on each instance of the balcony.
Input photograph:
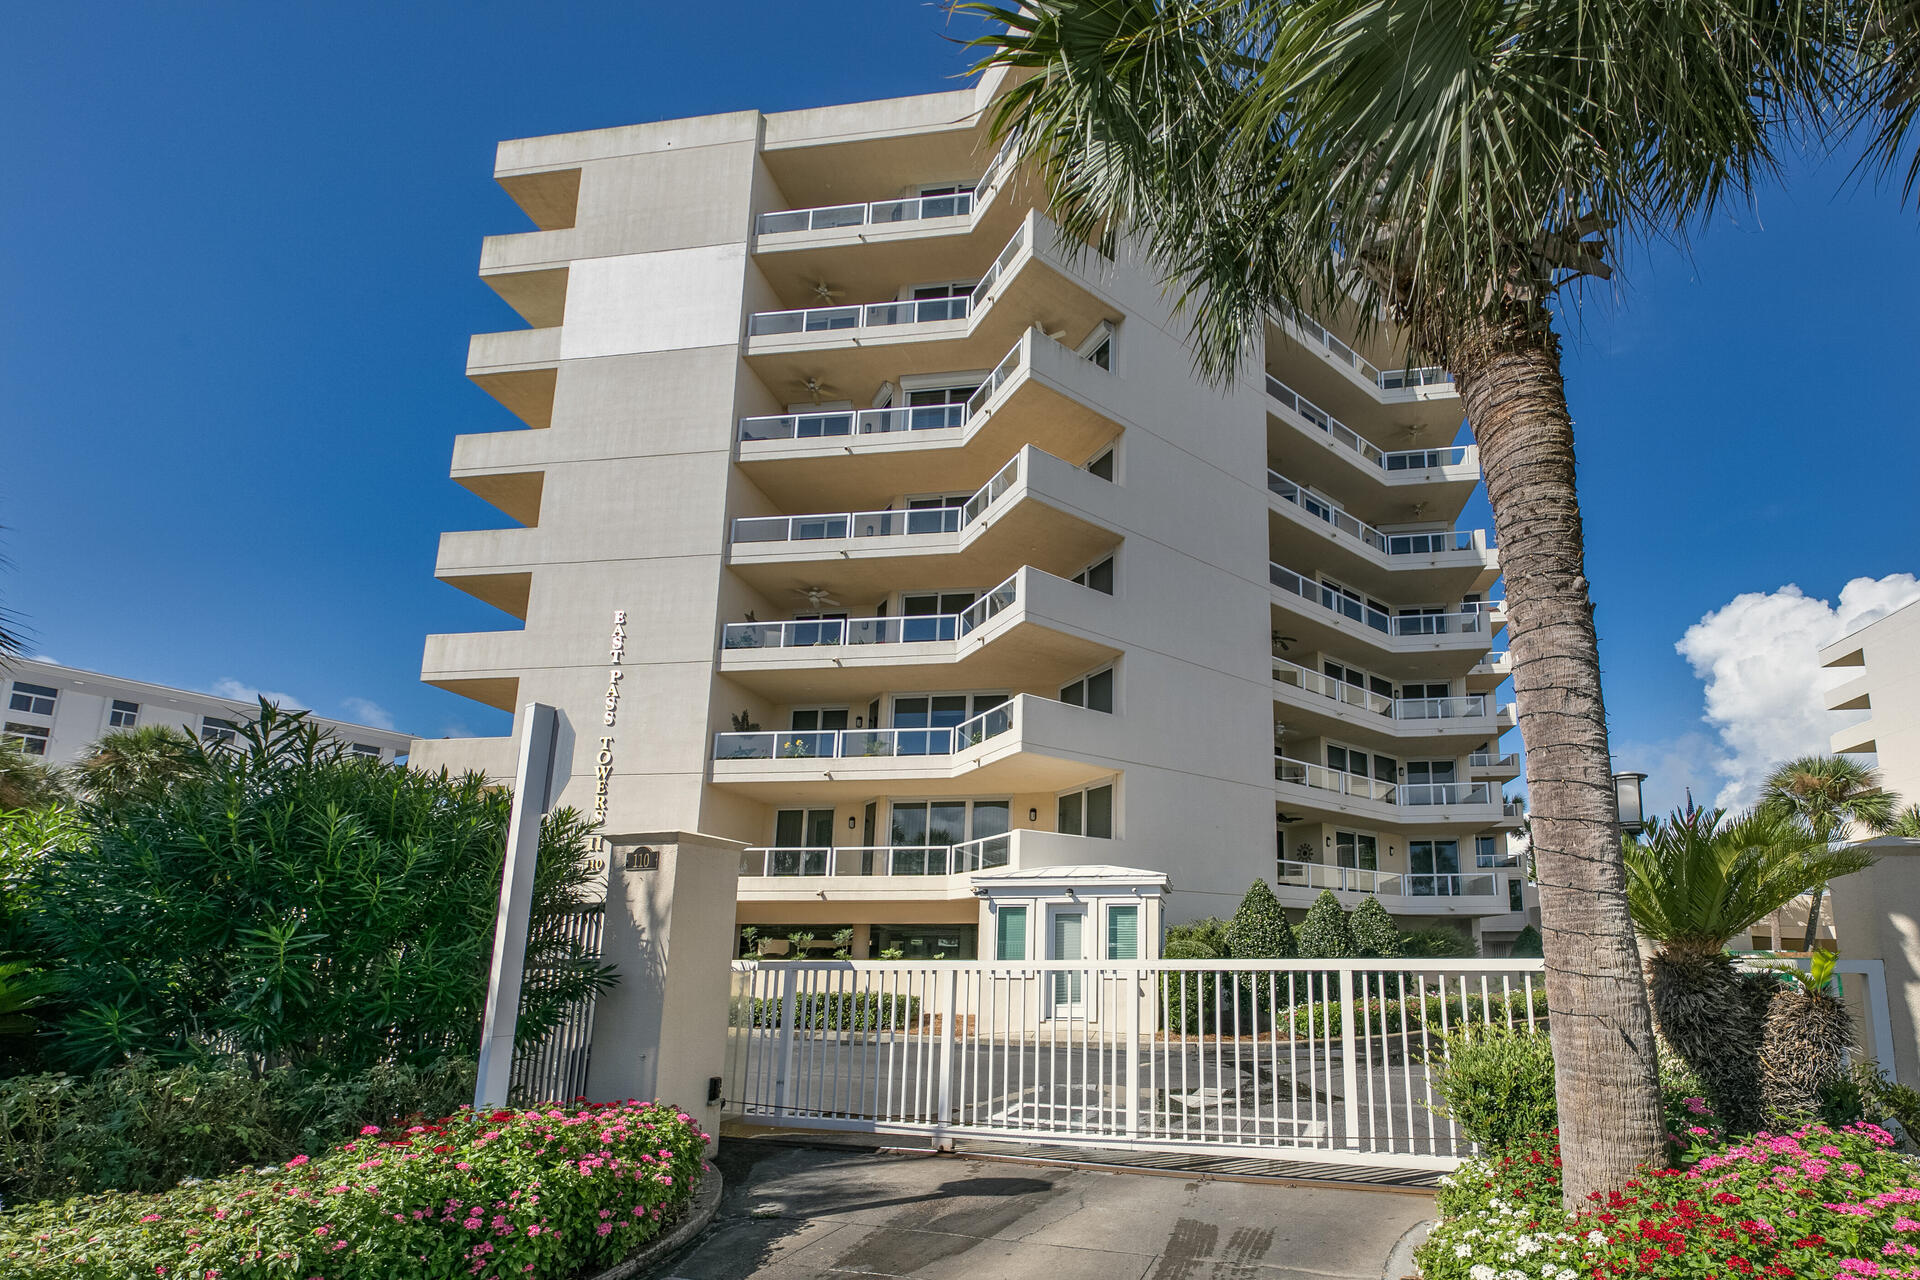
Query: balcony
(1453, 562)
(1401, 893)
(904, 872)
(1034, 628)
(518, 368)
(1301, 783)
(1325, 452)
(1493, 765)
(1490, 672)
(1344, 382)
(1320, 704)
(1040, 393)
(1037, 510)
(1027, 744)
(1424, 645)
(1034, 280)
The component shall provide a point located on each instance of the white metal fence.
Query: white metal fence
(1315, 1060)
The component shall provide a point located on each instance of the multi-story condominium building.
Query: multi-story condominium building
(57, 713)
(861, 518)
(1884, 660)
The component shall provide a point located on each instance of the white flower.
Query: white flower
(1463, 1251)
(1596, 1237)
(1480, 1271)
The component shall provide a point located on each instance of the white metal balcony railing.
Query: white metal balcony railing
(1339, 782)
(860, 317)
(1387, 460)
(861, 422)
(892, 523)
(1430, 542)
(850, 744)
(1393, 380)
(889, 212)
(1292, 673)
(1488, 760)
(911, 629)
(1396, 884)
(878, 860)
(1470, 620)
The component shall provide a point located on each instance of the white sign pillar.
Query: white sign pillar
(532, 792)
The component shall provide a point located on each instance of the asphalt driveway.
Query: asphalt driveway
(793, 1213)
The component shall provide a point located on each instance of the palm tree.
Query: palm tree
(1826, 795)
(1887, 89)
(1906, 823)
(127, 764)
(1449, 170)
(1694, 882)
(25, 783)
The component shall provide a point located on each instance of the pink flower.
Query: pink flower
(603, 1228)
(368, 1130)
(296, 1162)
(471, 1224)
(1899, 1224)
(152, 1217)
(321, 1230)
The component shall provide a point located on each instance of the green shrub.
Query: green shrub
(1203, 940)
(835, 1011)
(1193, 1003)
(1496, 1084)
(1439, 1015)
(143, 1126)
(494, 1195)
(1260, 930)
(300, 906)
(1324, 934)
(1373, 930)
(1527, 944)
(1437, 942)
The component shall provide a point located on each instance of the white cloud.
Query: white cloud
(1759, 657)
(228, 687)
(1676, 768)
(367, 712)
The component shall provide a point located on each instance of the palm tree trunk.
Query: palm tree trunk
(1813, 918)
(1605, 1064)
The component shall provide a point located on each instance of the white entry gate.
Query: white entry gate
(1308, 1060)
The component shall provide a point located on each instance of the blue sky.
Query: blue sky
(242, 243)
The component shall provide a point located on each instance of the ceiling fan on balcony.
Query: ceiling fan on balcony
(817, 598)
(1284, 644)
(816, 386)
(825, 292)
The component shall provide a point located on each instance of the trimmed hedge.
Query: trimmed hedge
(1432, 1012)
(497, 1195)
(834, 1011)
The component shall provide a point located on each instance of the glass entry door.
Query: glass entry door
(1066, 940)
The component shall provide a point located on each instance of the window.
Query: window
(1123, 932)
(1010, 934)
(1098, 576)
(1097, 350)
(1358, 679)
(801, 840)
(1486, 852)
(925, 725)
(30, 738)
(941, 395)
(1094, 691)
(1086, 813)
(1356, 849)
(923, 832)
(365, 750)
(1102, 465)
(214, 729)
(1516, 894)
(34, 699)
(1348, 760)
(1435, 866)
(123, 715)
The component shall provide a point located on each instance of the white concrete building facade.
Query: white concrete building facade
(1882, 662)
(56, 713)
(861, 520)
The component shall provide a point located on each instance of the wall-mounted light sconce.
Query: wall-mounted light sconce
(1033, 815)
(1329, 842)
(849, 822)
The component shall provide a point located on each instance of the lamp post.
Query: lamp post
(1627, 802)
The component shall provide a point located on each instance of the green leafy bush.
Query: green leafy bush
(143, 1126)
(1813, 1202)
(1199, 939)
(1194, 1003)
(1527, 944)
(1497, 1084)
(1438, 1014)
(1324, 934)
(495, 1195)
(300, 906)
(1437, 942)
(1373, 930)
(1260, 930)
(835, 1011)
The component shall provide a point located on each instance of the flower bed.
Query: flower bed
(539, 1193)
(1814, 1202)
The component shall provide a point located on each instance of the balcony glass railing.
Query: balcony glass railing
(1412, 884)
(912, 629)
(1390, 544)
(1341, 434)
(893, 523)
(850, 422)
(1488, 760)
(875, 213)
(1470, 620)
(878, 860)
(1319, 777)
(1340, 353)
(858, 317)
(1326, 686)
(852, 744)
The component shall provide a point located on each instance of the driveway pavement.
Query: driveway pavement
(793, 1213)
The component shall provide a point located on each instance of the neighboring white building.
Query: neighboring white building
(57, 712)
(1885, 656)
(859, 518)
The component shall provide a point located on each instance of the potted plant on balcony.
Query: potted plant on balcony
(797, 749)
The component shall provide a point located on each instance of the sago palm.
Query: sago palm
(1694, 882)
(26, 783)
(134, 763)
(1449, 170)
(1828, 796)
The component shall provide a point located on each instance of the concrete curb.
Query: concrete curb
(706, 1203)
(1400, 1257)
